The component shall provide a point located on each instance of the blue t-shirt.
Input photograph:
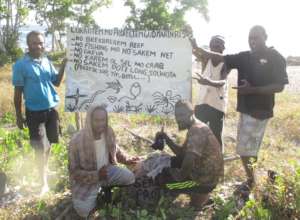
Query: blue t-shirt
(37, 78)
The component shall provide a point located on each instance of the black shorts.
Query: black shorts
(51, 120)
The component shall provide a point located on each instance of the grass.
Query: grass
(6, 91)
(280, 152)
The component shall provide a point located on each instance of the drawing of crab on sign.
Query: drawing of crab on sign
(165, 103)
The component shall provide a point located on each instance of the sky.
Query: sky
(232, 19)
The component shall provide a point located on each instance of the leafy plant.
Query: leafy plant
(162, 15)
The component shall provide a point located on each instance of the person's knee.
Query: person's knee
(83, 210)
(130, 179)
(127, 177)
(120, 176)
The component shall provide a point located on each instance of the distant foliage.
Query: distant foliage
(293, 61)
(12, 16)
(163, 14)
(4, 58)
(55, 15)
(83, 10)
(58, 14)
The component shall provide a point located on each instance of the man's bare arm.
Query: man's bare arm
(188, 164)
(270, 89)
(18, 105)
(61, 72)
(199, 57)
(247, 89)
(209, 82)
(215, 57)
(177, 149)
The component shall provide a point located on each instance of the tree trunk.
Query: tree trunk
(61, 46)
(77, 120)
(53, 41)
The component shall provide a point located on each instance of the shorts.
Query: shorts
(188, 186)
(249, 135)
(41, 122)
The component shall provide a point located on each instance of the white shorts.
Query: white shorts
(249, 135)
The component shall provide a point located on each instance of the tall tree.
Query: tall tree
(162, 14)
(57, 14)
(53, 15)
(83, 11)
(12, 16)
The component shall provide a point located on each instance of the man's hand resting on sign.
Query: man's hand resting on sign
(245, 88)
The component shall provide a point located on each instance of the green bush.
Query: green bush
(7, 118)
(12, 48)
(4, 58)
(12, 53)
(279, 199)
(15, 53)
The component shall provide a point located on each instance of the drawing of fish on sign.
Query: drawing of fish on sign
(114, 85)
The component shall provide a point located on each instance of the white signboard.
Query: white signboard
(129, 71)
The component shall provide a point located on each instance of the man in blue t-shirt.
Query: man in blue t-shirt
(261, 74)
(34, 77)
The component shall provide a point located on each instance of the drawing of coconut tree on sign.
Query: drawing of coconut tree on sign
(76, 98)
(150, 108)
(165, 102)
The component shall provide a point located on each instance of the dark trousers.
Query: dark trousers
(51, 120)
(211, 116)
